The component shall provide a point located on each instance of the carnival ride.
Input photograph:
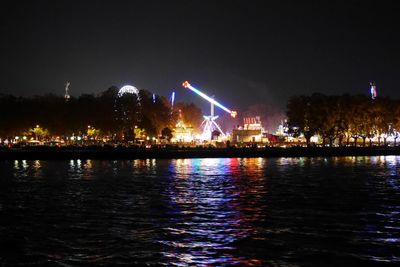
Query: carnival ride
(209, 124)
(67, 96)
(172, 100)
(127, 109)
(373, 90)
(128, 89)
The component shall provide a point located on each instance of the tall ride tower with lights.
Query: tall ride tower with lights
(209, 124)
(67, 96)
(373, 90)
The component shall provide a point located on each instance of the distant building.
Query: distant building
(283, 128)
(182, 133)
(246, 136)
(251, 131)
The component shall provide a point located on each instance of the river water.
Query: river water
(340, 211)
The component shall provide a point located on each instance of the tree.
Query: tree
(300, 117)
(155, 112)
(92, 132)
(166, 133)
(38, 133)
(191, 114)
(106, 111)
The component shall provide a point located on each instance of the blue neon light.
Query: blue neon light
(209, 99)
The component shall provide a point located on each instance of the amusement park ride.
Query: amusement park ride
(373, 90)
(209, 124)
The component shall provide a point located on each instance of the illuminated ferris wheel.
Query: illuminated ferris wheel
(129, 89)
(128, 106)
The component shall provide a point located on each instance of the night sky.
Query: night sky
(243, 52)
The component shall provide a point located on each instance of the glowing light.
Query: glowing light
(186, 84)
(373, 90)
(172, 99)
(128, 89)
(314, 139)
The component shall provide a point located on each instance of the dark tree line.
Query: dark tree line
(111, 115)
(343, 118)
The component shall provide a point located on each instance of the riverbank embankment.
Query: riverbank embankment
(99, 152)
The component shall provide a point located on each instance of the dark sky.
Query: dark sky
(243, 52)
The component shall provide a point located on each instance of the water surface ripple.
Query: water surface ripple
(340, 211)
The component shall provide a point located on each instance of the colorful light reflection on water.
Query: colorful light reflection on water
(202, 212)
(212, 209)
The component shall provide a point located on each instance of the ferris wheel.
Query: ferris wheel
(127, 105)
(128, 89)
